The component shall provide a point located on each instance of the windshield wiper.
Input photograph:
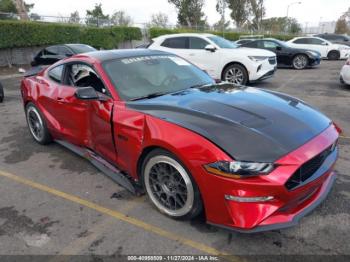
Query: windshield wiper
(199, 85)
(149, 96)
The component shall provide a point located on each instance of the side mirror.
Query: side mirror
(86, 93)
(324, 43)
(210, 48)
(279, 48)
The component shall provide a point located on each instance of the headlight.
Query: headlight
(344, 48)
(258, 58)
(237, 169)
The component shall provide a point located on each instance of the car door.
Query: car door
(87, 122)
(204, 59)
(318, 45)
(283, 55)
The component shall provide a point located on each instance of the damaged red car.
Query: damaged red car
(250, 159)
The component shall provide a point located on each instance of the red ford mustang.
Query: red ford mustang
(251, 159)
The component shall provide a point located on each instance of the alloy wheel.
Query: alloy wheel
(234, 75)
(169, 186)
(300, 62)
(35, 123)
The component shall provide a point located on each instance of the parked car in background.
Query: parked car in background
(243, 41)
(254, 160)
(2, 95)
(345, 73)
(220, 58)
(52, 54)
(324, 47)
(286, 55)
(335, 38)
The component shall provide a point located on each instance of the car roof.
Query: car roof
(184, 35)
(106, 55)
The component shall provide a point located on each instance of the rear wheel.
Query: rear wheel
(235, 74)
(300, 62)
(333, 55)
(170, 186)
(37, 125)
(2, 95)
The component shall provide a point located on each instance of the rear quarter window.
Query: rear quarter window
(56, 73)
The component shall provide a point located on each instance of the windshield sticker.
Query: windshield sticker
(144, 58)
(179, 61)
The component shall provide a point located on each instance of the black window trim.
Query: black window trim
(64, 81)
(187, 43)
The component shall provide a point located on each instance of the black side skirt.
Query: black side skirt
(105, 167)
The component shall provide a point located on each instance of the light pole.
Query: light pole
(294, 3)
(291, 5)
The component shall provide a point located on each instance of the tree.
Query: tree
(74, 18)
(221, 25)
(96, 16)
(281, 24)
(257, 12)
(341, 27)
(7, 7)
(159, 20)
(120, 18)
(240, 10)
(189, 13)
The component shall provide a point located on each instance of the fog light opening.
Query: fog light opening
(249, 199)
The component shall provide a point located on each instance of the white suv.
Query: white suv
(324, 47)
(220, 58)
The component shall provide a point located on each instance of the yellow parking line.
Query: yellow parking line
(121, 216)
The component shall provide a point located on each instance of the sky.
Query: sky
(309, 11)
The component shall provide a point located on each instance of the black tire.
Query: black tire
(229, 74)
(333, 55)
(192, 206)
(2, 94)
(42, 136)
(300, 62)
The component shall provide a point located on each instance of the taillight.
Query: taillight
(348, 62)
(338, 128)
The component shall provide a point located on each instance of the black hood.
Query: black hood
(247, 123)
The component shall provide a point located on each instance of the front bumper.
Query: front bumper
(288, 206)
(314, 61)
(344, 54)
(345, 74)
(262, 70)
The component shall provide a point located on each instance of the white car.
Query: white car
(220, 58)
(324, 47)
(345, 73)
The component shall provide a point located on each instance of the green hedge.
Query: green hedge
(155, 32)
(24, 34)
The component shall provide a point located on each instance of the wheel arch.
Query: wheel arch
(333, 51)
(234, 63)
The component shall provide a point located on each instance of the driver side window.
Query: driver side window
(82, 75)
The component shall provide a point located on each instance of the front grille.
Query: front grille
(306, 171)
(272, 60)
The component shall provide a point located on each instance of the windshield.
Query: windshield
(142, 76)
(222, 42)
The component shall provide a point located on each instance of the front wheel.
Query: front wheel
(170, 187)
(300, 62)
(37, 125)
(235, 74)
